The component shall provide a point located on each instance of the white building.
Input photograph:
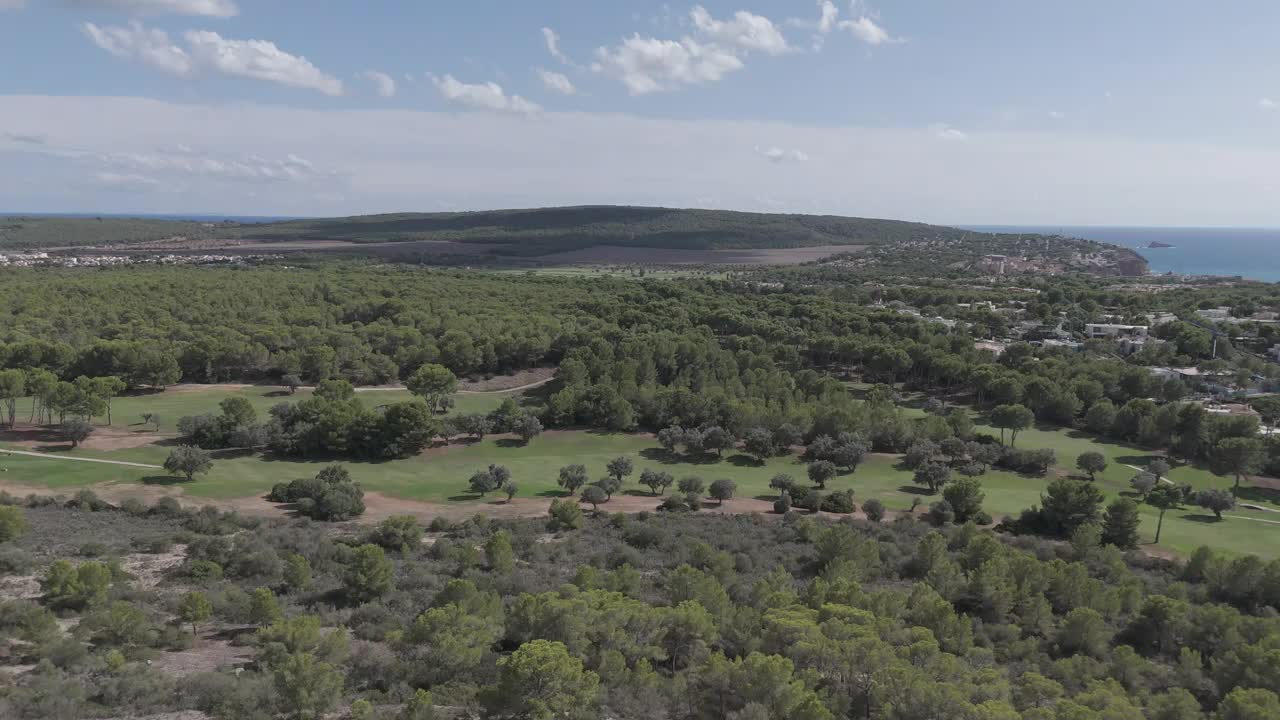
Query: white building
(1218, 314)
(1112, 331)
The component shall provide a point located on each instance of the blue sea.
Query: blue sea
(1253, 253)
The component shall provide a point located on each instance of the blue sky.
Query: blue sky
(1000, 111)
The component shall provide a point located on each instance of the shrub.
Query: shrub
(873, 509)
(13, 524)
(940, 513)
(398, 532)
(839, 502)
(673, 503)
(782, 505)
(331, 495)
(564, 515)
(14, 560)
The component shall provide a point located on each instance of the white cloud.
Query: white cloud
(254, 168)
(259, 60)
(1268, 104)
(255, 59)
(125, 182)
(746, 30)
(715, 49)
(482, 96)
(868, 31)
(148, 46)
(943, 131)
(384, 84)
(556, 82)
(553, 45)
(647, 65)
(207, 8)
(778, 155)
(828, 14)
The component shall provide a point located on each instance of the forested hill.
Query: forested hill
(532, 231)
(573, 227)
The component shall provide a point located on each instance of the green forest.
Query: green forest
(650, 616)
(813, 492)
(524, 232)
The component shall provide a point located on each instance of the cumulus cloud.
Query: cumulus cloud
(482, 96)
(1268, 104)
(868, 31)
(942, 131)
(647, 65)
(259, 60)
(778, 155)
(384, 84)
(828, 14)
(715, 49)
(746, 30)
(209, 51)
(206, 8)
(552, 40)
(148, 46)
(556, 82)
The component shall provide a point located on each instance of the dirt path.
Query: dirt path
(527, 386)
(1242, 517)
(47, 456)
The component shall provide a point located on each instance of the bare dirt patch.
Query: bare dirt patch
(211, 652)
(115, 437)
(19, 587)
(148, 570)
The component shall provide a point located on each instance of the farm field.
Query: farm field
(439, 476)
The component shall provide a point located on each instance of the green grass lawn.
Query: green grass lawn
(173, 404)
(441, 475)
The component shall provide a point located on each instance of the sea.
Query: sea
(1252, 253)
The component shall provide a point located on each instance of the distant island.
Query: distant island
(1157, 245)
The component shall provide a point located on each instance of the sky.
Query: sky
(1140, 112)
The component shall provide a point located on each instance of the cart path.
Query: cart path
(48, 456)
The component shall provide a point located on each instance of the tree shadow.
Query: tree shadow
(1139, 460)
(661, 455)
(231, 453)
(1196, 517)
(466, 497)
(913, 490)
(277, 393)
(142, 392)
(764, 498)
(637, 492)
(164, 480)
(510, 443)
(1253, 493)
(554, 494)
(741, 460)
